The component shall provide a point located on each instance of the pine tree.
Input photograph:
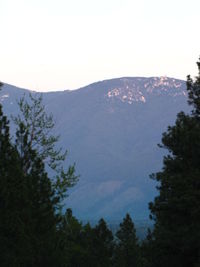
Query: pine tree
(102, 245)
(28, 203)
(14, 206)
(71, 243)
(127, 247)
(176, 210)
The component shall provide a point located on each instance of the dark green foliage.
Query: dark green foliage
(176, 210)
(70, 245)
(146, 250)
(14, 239)
(102, 244)
(193, 88)
(127, 247)
(14, 204)
(28, 203)
(82, 245)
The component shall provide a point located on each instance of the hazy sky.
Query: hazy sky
(65, 44)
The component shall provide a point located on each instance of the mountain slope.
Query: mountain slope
(111, 129)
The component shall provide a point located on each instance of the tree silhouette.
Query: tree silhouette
(176, 210)
(127, 248)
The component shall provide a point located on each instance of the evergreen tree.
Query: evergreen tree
(147, 251)
(70, 242)
(28, 203)
(176, 210)
(42, 204)
(102, 245)
(127, 247)
(88, 243)
(14, 205)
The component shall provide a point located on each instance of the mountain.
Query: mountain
(111, 129)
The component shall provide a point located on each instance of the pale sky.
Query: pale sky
(66, 44)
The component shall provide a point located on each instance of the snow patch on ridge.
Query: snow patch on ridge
(137, 91)
(3, 97)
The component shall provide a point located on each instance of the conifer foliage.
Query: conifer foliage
(127, 247)
(176, 210)
(28, 202)
(14, 237)
(102, 244)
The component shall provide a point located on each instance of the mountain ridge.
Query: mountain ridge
(112, 141)
(98, 82)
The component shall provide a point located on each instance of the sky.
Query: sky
(66, 44)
